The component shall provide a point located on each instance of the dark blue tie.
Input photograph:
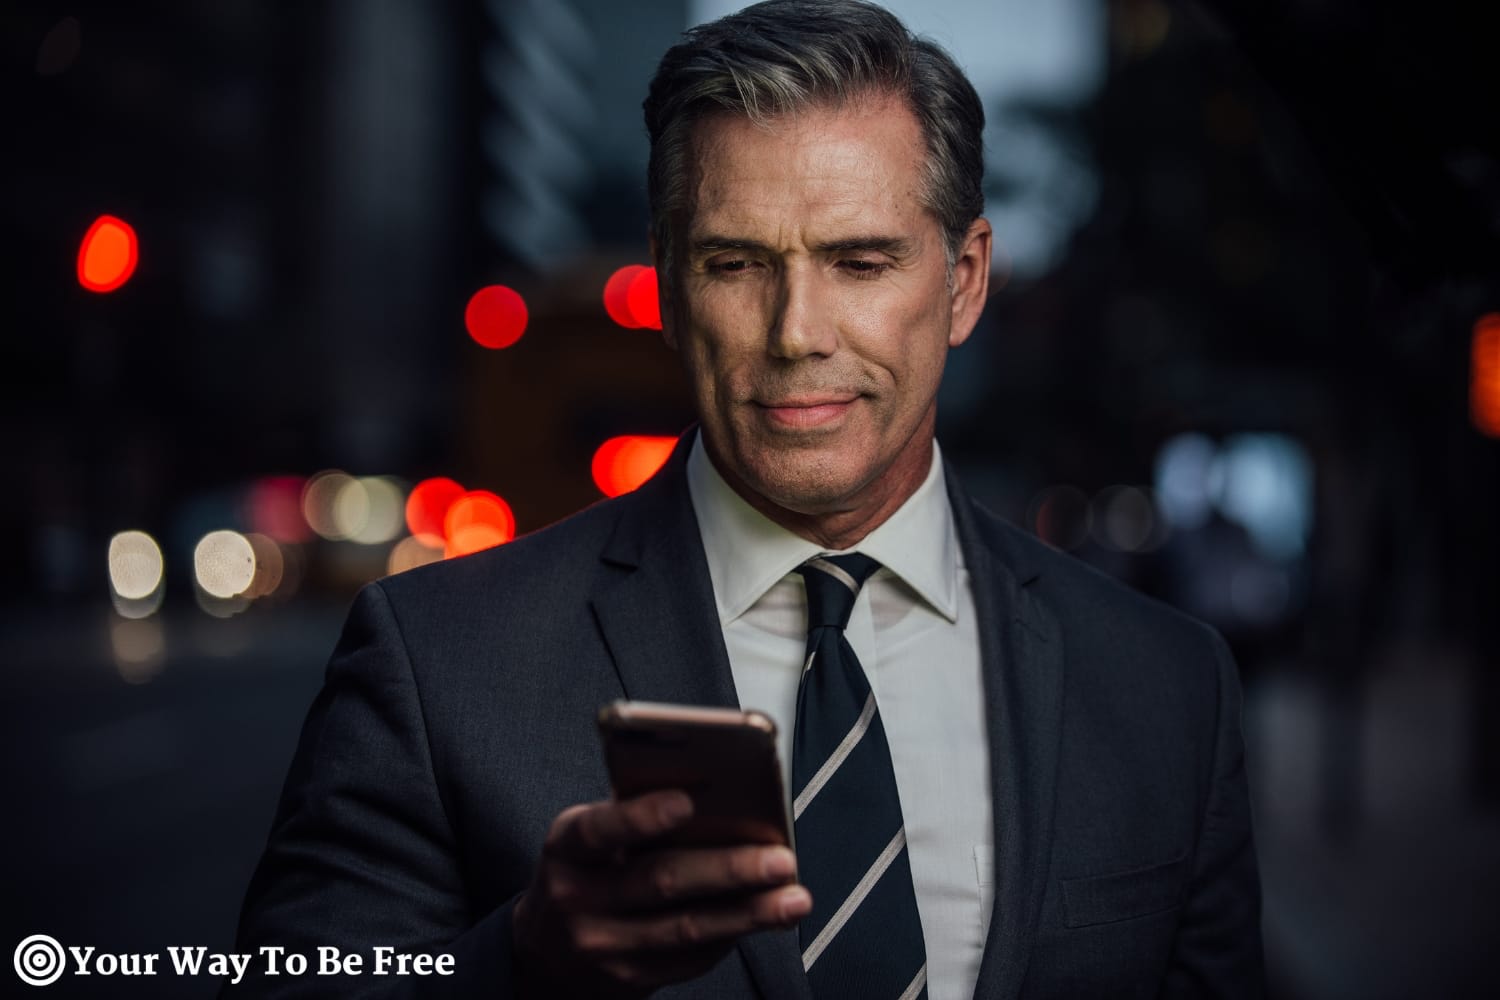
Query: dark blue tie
(863, 938)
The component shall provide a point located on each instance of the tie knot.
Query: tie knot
(833, 583)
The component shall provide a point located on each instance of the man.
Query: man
(1042, 794)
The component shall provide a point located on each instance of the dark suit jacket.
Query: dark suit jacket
(457, 719)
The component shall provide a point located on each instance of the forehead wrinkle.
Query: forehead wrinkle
(785, 187)
(810, 209)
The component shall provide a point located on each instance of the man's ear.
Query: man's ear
(668, 334)
(971, 280)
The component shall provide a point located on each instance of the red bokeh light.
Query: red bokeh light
(108, 254)
(643, 299)
(427, 508)
(1484, 376)
(623, 463)
(616, 295)
(477, 520)
(273, 507)
(496, 316)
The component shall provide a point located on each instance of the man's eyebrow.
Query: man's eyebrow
(714, 244)
(896, 246)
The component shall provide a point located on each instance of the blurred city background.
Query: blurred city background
(297, 295)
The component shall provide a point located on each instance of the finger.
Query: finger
(693, 927)
(665, 877)
(599, 831)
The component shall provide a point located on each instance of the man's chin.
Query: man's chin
(811, 491)
(812, 476)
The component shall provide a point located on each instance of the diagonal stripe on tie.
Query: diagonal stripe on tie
(863, 937)
(840, 754)
(851, 902)
(918, 985)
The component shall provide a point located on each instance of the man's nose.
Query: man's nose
(803, 324)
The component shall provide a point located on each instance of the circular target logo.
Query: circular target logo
(40, 960)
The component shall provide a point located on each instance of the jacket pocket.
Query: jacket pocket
(1102, 899)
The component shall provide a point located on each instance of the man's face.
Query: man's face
(811, 304)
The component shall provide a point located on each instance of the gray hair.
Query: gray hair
(783, 56)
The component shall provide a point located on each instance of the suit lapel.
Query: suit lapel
(662, 628)
(658, 615)
(1022, 650)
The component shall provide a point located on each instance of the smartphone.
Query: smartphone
(723, 758)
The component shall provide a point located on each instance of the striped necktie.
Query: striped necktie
(863, 938)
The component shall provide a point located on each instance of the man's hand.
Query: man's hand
(613, 913)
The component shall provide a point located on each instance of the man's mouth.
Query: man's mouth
(806, 412)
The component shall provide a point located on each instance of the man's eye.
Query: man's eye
(861, 268)
(734, 266)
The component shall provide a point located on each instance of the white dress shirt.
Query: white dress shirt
(914, 630)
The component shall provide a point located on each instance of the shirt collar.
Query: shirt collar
(748, 552)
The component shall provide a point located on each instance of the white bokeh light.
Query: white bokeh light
(411, 552)
(351, 508)
(224, 563)
(320, 504)
(136, 567)
(1183, 466)
(382, 506)
(1264, 482)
